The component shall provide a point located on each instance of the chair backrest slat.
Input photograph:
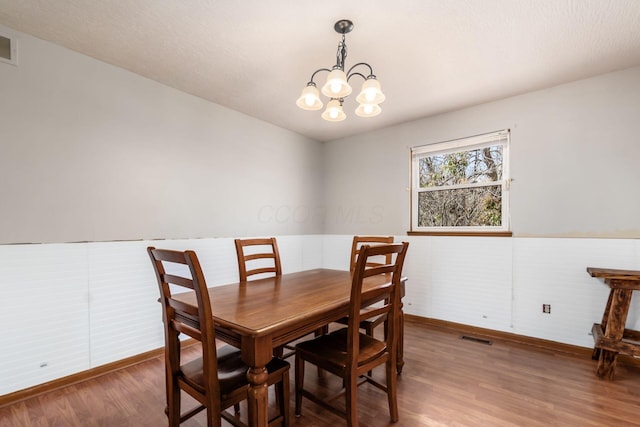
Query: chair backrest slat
(177, 280)
(249, 251)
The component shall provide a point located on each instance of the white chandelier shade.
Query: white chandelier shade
(368, 110)
(370, 93)
(334, 111)
(310, 98)
(337, 86)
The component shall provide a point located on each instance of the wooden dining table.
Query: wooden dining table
(259, 315)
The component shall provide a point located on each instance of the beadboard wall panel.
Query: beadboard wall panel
(299, 253)
(417, 269)
(468, 280)
(217, 257)
(336, 250)
(553, 271)
(124, 311)
(76, 306)
(73, 307)
(44, 309)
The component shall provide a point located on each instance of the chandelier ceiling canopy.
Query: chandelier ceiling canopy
(337, 85)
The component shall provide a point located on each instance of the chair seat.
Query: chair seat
(232, 371)
(331, 349)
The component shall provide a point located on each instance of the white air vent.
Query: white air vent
(8, 50)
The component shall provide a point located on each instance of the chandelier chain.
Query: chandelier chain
(341, 54)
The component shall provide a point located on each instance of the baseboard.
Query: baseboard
(521, 339)
(506, 336)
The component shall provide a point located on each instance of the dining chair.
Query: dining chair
(257, 256)
(218, 378)
(368, 324)
(358, 241)
(261, 256)
(347, 352)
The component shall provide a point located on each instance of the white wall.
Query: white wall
(573, 158)
(91, 152)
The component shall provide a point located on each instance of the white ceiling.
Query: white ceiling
(431, 56)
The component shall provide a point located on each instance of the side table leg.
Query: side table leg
(605, 318)
(620, 301)
(607, 364)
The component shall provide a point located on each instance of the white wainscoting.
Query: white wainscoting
(553, 271)
(44, 311)
(502, 283)
(75, 306)
(72, 307)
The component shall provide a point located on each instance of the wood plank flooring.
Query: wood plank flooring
(447, 381)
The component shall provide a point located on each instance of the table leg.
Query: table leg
(620, 299)
(258, 397)
(256, 353)
(605, 318)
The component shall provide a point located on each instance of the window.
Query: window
(461, 185)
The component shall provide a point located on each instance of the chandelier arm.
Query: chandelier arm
(361, 63)
(316, 72)
(356, 74)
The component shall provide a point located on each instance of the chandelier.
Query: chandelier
(337, 86)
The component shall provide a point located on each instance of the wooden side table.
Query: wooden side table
(610, 337)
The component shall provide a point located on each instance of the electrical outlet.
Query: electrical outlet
(546, 308)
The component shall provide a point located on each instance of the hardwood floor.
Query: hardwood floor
(447, 381)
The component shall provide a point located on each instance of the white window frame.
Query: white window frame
(463, 144)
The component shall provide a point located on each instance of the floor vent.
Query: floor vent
(474, 339)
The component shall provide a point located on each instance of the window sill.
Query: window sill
(461, 233)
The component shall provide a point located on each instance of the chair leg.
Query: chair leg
(173, 403)
(282, 390)
(351, 400)
(278, 352)
(299, 381)
(391, 390)
(369, 331)
(319, 332)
